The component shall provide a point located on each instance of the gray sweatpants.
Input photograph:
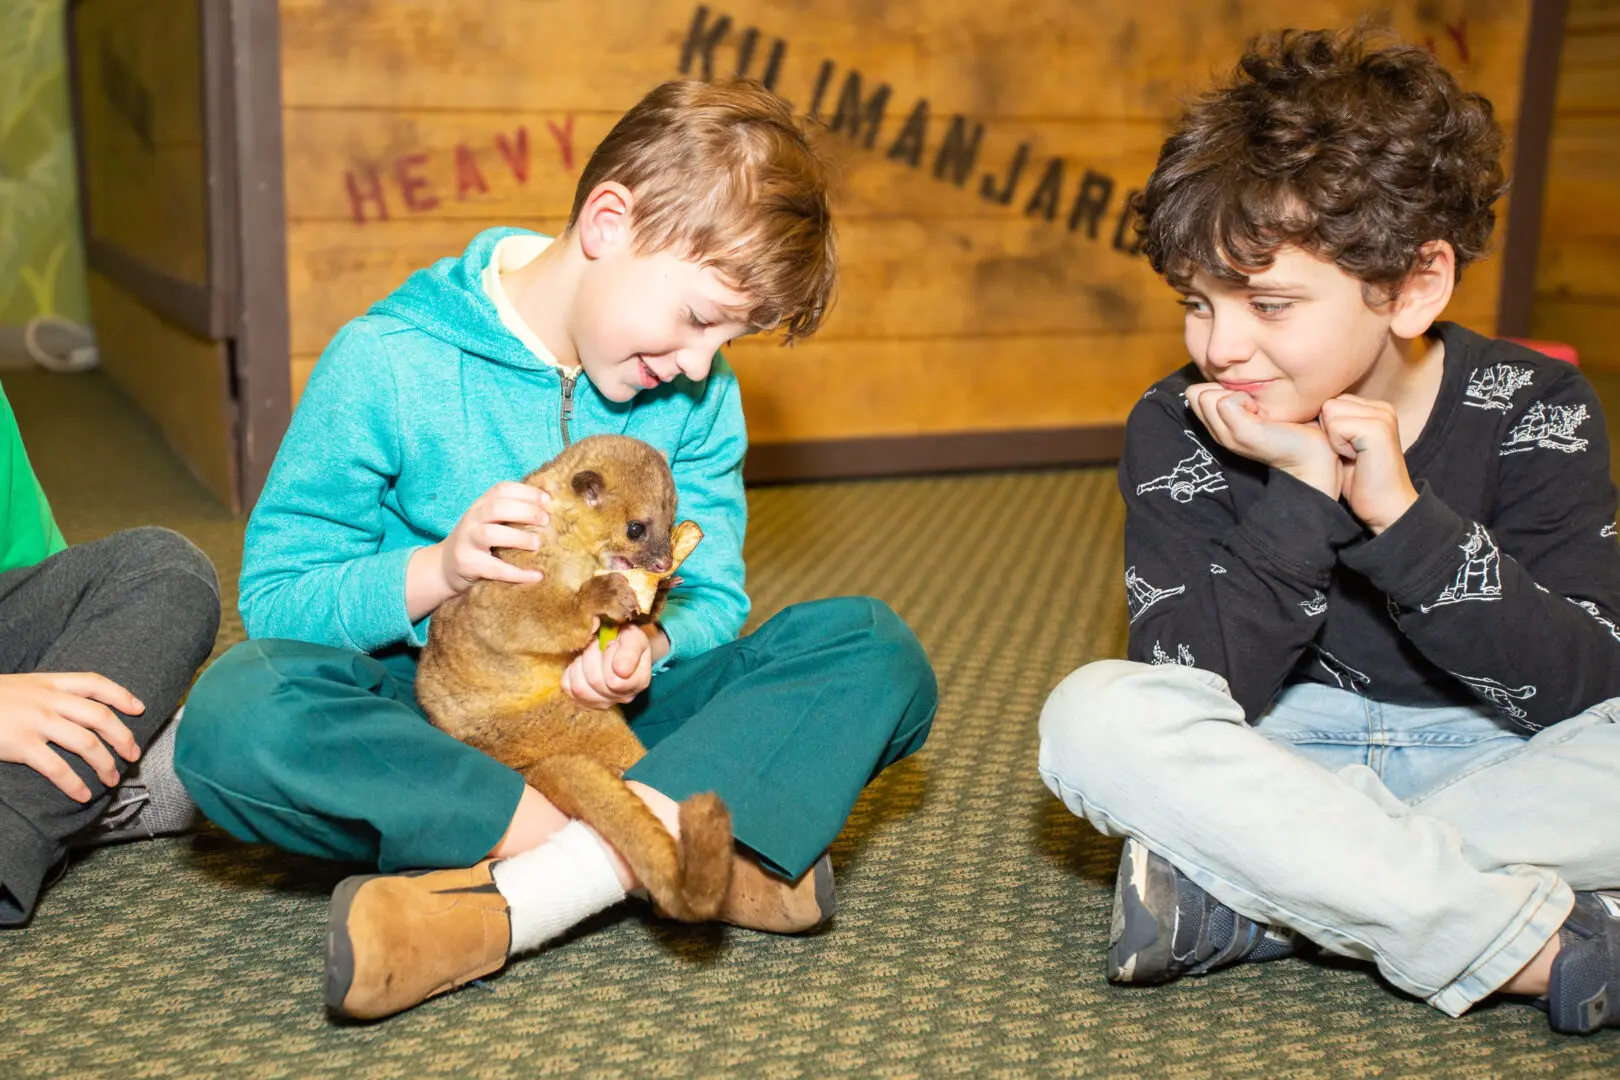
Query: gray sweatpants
(139, 607)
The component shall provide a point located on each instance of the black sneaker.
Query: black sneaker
(1583, 989)
(1166, 927)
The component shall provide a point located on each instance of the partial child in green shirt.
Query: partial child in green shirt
(100, 642)
(28, 531)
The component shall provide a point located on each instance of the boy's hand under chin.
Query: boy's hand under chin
(1373, 477)
(1301, 450)
(1353, 449)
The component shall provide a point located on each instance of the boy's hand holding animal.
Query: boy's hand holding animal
(70, 710)
(613, 674)
(439, 571)
(1373, 477)
(1301, 450)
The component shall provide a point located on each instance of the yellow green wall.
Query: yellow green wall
(41, 259)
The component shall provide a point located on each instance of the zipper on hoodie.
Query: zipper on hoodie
(567, 404)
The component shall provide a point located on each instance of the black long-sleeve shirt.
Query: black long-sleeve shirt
(1501, 583)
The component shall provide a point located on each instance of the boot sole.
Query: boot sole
(339, 947)
(826, 890)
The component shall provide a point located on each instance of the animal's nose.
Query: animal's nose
(662, 565)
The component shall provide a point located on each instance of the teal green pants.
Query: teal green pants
(325, 751)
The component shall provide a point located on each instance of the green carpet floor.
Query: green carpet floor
(973, 912)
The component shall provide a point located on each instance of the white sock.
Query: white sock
(565, 880)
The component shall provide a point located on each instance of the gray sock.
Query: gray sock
(149, 802)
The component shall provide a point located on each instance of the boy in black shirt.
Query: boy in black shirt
(1372, 572)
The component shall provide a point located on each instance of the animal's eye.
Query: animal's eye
(635, 530)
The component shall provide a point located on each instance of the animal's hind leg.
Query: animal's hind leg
(565, 729)
(616, 745)
(599, 734)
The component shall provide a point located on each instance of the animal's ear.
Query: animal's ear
(588, 484)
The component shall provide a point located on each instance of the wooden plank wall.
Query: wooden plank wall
(176, 378)
(990, 289)
(1578, 273)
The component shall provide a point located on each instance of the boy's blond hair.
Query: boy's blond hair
(722, 173)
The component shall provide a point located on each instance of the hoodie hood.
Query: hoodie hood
(449, 301)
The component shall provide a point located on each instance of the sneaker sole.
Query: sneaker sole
(1145, 899)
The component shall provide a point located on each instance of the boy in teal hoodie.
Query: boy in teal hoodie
(702, 216)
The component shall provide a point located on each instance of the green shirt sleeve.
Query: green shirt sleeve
(28, 532)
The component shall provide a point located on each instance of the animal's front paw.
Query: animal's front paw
(612, 599)
(664, 588)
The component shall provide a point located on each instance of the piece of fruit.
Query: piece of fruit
(644, 583)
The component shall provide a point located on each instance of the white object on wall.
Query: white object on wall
(59, 344)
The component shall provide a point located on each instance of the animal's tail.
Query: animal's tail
(688, 879)
(705, 855)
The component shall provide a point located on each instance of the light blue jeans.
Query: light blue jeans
(1440, 843)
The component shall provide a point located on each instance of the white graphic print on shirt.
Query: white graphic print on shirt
(1499, 694)
(1550, 427)
(1346, 676)
(1183, 656)
(1193, 475)
(1494, 387)
(1592, 610)
(1139, 595)
(1480, 575)
(1315, 606)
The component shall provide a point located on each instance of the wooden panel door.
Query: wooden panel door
(177, 114)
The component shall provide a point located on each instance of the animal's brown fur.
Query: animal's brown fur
(491, 673)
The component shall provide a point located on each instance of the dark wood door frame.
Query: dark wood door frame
(262, 357)
(1537, 96)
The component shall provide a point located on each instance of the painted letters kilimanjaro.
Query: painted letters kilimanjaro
(1063, 193)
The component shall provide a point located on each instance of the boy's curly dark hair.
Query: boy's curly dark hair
(1356, 150)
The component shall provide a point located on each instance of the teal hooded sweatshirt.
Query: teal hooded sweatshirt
(420, 406)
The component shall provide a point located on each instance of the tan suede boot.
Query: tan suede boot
(395, 940)
(759, 900)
